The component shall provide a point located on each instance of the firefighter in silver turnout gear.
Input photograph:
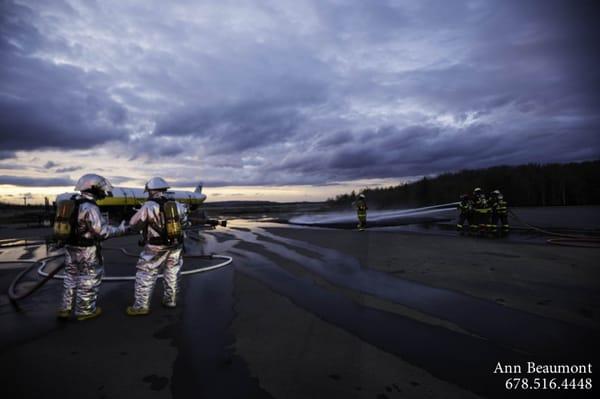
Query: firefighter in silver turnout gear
(83, 259)
(160, 251)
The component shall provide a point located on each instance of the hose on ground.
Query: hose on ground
(12, 294)
(22, 242)
(569, 240)
(47, 276)
(574, 242)
(228, 260)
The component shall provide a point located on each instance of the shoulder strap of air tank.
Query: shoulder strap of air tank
(160, 201)
(161, 204)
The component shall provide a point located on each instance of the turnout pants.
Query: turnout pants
(362, 220)
(154, 259)
(483, 220)
(503, 219)
(83, 275)
(462, 219)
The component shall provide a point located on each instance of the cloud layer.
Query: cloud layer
(295, 92)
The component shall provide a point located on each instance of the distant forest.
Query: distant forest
(524, 185)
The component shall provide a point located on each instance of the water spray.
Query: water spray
(374, 216)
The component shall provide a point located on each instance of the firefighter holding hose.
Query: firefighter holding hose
(481, 210)
(465, 211)
(499, 212)
(160, 221)
(361, 211)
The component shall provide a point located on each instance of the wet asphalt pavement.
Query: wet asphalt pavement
(198, 349)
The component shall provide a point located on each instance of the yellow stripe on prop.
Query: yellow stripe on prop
(118, 201)
(121, 201)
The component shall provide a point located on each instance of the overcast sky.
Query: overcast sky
(309, 97)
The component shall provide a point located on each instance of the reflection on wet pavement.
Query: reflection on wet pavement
(506, 333)
(486, 332)
(525, 331)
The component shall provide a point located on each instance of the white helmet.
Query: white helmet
(496, 192)
(361, 196)
(94, 183)
(156, 184)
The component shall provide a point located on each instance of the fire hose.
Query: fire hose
(228, 260)
(12, 295)
(20, 242)
(570, 240)
(47, 276)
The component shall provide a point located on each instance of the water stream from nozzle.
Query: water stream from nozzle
(379, 216)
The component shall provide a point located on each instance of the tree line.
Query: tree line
(524, 185)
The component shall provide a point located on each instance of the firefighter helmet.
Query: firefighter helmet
(156, 184)
(94, 184)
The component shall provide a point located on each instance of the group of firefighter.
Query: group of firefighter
(483, 214)
(478, 213)
(80, 228)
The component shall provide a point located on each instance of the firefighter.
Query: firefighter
(80, 227)
(160, 220)
(361, 212)
(481, 211)
(499, 212)
(465, 209)
(493, 202)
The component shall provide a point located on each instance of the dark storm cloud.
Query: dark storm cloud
(539, 60)
(393, 153)
(120, 179)
(44, 104)
(216, 183)
(238, 127)
(6, 154)
(334, 139)
(156, 149)
(303, 92)
(36, 182)
(51, 113)
(247, 182)
(69, 169)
